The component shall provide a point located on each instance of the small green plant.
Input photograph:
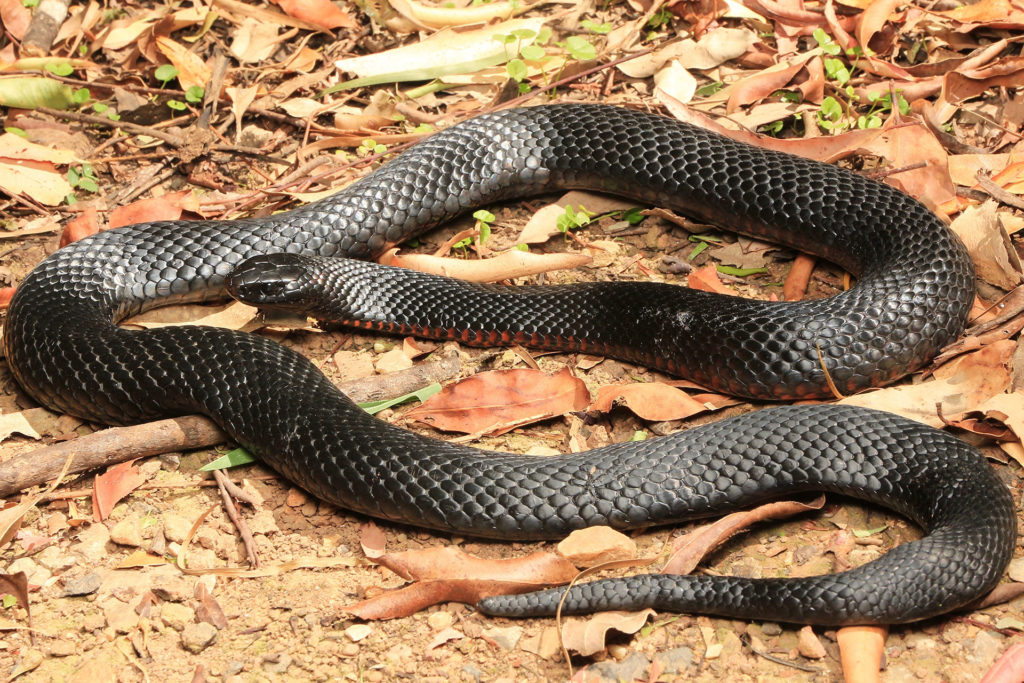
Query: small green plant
(60, 68)
(370, 146)
(660, 18)
(165, 74)
(30, 4)
(83, 98)
(571, 220)
(484, 218)
(595, 27)
(194, 94)
(13, 130)
(709, 89)
(83, 178)
(517, 67)
(579, 48)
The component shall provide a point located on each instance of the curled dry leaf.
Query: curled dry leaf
(657, 402)
(500, 400)
(761, 85)
(506, 266)
(17, 585)
(232, 316)
(958, 386)
(430, 16)
(449, 574)
(1009, 409)
(1009, 668)
(861, 649)
(588, 636)
(689, 550)
(372, 540)
(873, 19)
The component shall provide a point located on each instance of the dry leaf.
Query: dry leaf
(168, 207)
(506, 266)
(113, 485)
(995, 258)
(706, 279)
(656, 401)
(140, 558)
(861, 649)
(83, 225)
(449, 574)
(588, 636)
(322, 13)
(958, 386)
(192, 71)
(596, 545)
(690, 549)
(543, 224)
(232, 316)
(1009, 668)
(498, 401)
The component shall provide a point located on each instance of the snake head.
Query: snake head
(278, 281)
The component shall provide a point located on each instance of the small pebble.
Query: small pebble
(83, 585)
(357, 632)
(349, 650)
(439, 621)
(198, 637)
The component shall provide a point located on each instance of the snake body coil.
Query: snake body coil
(913, 292)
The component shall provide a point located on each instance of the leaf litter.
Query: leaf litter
(921, 97)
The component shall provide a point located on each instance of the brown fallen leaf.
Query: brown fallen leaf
(498, 401)
(446, 636)
(690, 549)
(795, 286)
(208, 609)
(140, 558)
(656, 401)
(1009, 668)
(505, 266)
(873, 20)
(1008, 408)
(995, 258)
(959, 386)
(759, 86)
(168, 207)
(588, 636)
(113, 485)
(192, 70)
(861, 649)
(597, 545)
(448, 574)
(372, 540)
(706, 279)
(85, 224)
(322, 13)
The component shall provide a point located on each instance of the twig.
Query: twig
(886, 172)
(998, 193)
(134, 128)
(42, 29)
(223, 484)
(780, 660)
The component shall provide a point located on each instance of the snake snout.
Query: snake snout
(270, 280)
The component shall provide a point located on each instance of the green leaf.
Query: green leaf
(639, 436)
(484, 216)
(533, 53)
(30, 4)
(165, 73)
(9, 600)
(714, 239)
(234, 458)
(864, 533)
(176, 105)
(709, 89)
(16, 131)
(60, 68)
(524, 33)
(88, 184)
(633, 216)
(100, 107)
(81, 96)
(421, 395)
(194, 94)
(516, 69)
(740, 272)
(74, 177)
(522, 246)
(831, 109)
(596, 27)
(697, 251)
(580, 48)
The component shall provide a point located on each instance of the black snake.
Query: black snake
(912, 295)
